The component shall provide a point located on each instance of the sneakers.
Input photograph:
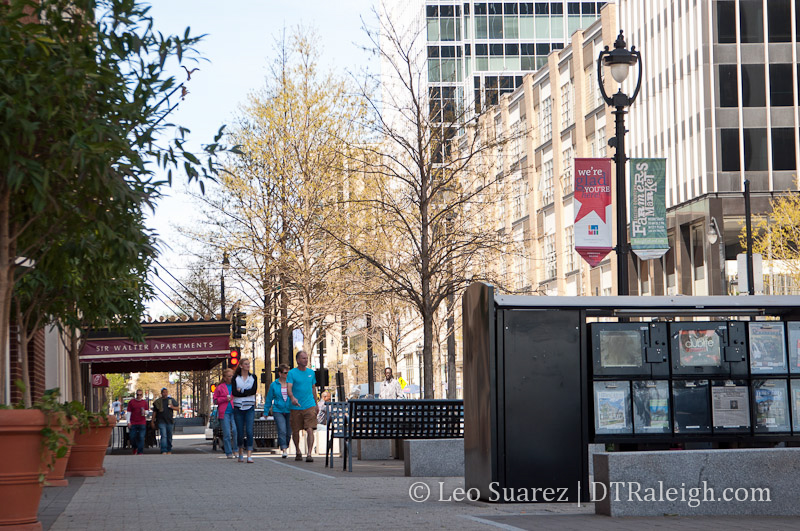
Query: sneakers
(309, 459)
(284, 455)
(250, 460)
(298, 457)
(229, 456)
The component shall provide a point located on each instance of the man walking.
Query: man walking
(162, 409)
(391, 387)
(303, 396)
(138, 424)
(117, 407)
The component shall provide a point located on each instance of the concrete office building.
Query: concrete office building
(562, 115)
(719, 101)
(478, 51)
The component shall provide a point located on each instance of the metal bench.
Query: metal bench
(337, 420)
(264, 431)
(401, 419)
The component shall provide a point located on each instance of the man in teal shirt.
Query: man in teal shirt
(303, 396)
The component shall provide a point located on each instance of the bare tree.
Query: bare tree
(424, 209)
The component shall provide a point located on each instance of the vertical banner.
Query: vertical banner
(592, 204)
(648, 208)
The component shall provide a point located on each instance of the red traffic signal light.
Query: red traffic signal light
(233, 360)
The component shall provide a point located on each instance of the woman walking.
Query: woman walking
(223, 397)
(244, 402)
(278, 403)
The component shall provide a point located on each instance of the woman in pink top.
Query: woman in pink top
(223, 397)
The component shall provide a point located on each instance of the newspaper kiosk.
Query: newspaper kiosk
(546, 376)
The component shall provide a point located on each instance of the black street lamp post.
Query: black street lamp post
(225, 265)
(620, 60)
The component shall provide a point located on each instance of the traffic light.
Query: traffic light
(213, 388)
(233, 359)
(239, 324)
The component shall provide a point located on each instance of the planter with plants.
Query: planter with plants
(30, 442)
(91, 441)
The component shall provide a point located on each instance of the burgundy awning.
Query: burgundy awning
(172, 353)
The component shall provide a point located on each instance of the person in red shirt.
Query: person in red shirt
(138, 408)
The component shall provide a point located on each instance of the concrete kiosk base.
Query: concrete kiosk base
(434, 457)
(374, 449)
(754, 481)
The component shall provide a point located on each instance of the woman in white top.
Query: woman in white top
(244, 386)
(279, 407)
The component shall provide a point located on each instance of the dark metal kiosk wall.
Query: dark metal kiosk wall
(529, 382)
(525, 420)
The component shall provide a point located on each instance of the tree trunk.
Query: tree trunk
(427, 352)
(75, 367)
(22, 349)
(285, 351)
(451, 347)
(6, 286)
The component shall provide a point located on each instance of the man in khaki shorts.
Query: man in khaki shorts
(303, 396)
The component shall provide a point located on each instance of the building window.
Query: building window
(755, 150)
(783, 148)
(698, 256)
(726, 22)
(668, 261)
(779, 19)
(547, 119)
(751, 21)
(728, 86)
(730, 149)
(753, 86)
(550, 262)
(517, 195)
(566, 105)
(780, 85)
(570, 263)
(547, 182)
(601, 142)
(567, 179)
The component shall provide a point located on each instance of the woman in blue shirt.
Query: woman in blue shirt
(278, 402)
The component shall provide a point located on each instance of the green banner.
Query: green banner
(648, 208)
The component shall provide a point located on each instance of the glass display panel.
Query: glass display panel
(771, 405)
(612, 408)
(767, 347)
(794, 347)
(699, 348)
(651, 407)
(692, 411)
(796, 405)
(620, 348)
(730, 405)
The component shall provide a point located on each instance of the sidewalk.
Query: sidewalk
(197, 489)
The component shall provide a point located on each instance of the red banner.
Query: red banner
(99, 380)
(592, 204)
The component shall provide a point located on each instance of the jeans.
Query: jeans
(228, 431)
(284, 429)
(137, 437)
(165, 428)
(244, 426)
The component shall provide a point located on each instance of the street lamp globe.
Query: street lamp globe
(620, 59)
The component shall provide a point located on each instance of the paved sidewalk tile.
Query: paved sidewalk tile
(197, 489)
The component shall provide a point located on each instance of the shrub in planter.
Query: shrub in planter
(91, 441)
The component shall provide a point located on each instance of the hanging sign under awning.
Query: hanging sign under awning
(648, 208)
(592, 204)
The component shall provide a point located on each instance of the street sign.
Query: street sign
(758, 275)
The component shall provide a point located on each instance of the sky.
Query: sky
(238, 48)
